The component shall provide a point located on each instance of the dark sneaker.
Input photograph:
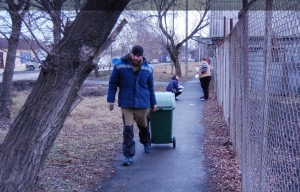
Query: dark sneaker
(176, 99)
(202, 97)
(147, 148)
(127, 160)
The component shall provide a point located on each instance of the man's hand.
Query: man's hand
(111, 106)
(153, 108)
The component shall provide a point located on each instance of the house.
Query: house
(24, 53)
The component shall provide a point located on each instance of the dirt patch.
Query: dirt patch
(21, 85)
(88, 90)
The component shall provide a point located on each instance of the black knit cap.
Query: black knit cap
(137, 50)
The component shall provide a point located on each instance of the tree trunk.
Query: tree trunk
(13, 41)
(6, 92)
(174, 52)
(96, 72)
(177, 67)
(31, 136)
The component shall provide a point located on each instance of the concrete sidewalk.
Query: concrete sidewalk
(166, 169)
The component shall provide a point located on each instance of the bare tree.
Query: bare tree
(60, 21)
(108, 43)
(17, 12)
(138, 31)
(32, 21)
(54, 10)
(32, 134)
(173, 44)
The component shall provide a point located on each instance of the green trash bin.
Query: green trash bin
(161, 120)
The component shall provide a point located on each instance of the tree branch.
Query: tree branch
(109, 40)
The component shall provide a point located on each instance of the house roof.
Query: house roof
(23, 44)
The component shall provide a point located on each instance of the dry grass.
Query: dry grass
(162, 72)
(83, 153)
(19, 99)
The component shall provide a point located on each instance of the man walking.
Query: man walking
(134, 78)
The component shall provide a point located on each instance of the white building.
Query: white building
(222, 11)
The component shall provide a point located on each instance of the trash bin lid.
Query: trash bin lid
(165, 100)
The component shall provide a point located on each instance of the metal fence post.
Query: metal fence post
(267, 50)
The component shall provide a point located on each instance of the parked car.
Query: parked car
(166, 59)
(101, 64)
(182, 59)
(33, 64)
(154, 61)
(189, 59)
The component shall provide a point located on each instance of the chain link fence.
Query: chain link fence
(258, 85)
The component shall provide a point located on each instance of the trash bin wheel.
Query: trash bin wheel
(174, 142)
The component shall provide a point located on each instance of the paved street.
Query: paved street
(33, 75)
(22, 75)
(30, 75)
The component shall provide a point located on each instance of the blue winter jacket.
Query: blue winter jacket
(134, 92)
(173, 85)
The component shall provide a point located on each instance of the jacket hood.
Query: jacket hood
(126, 58)
(174, 77)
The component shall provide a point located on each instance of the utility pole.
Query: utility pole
(186, 43)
